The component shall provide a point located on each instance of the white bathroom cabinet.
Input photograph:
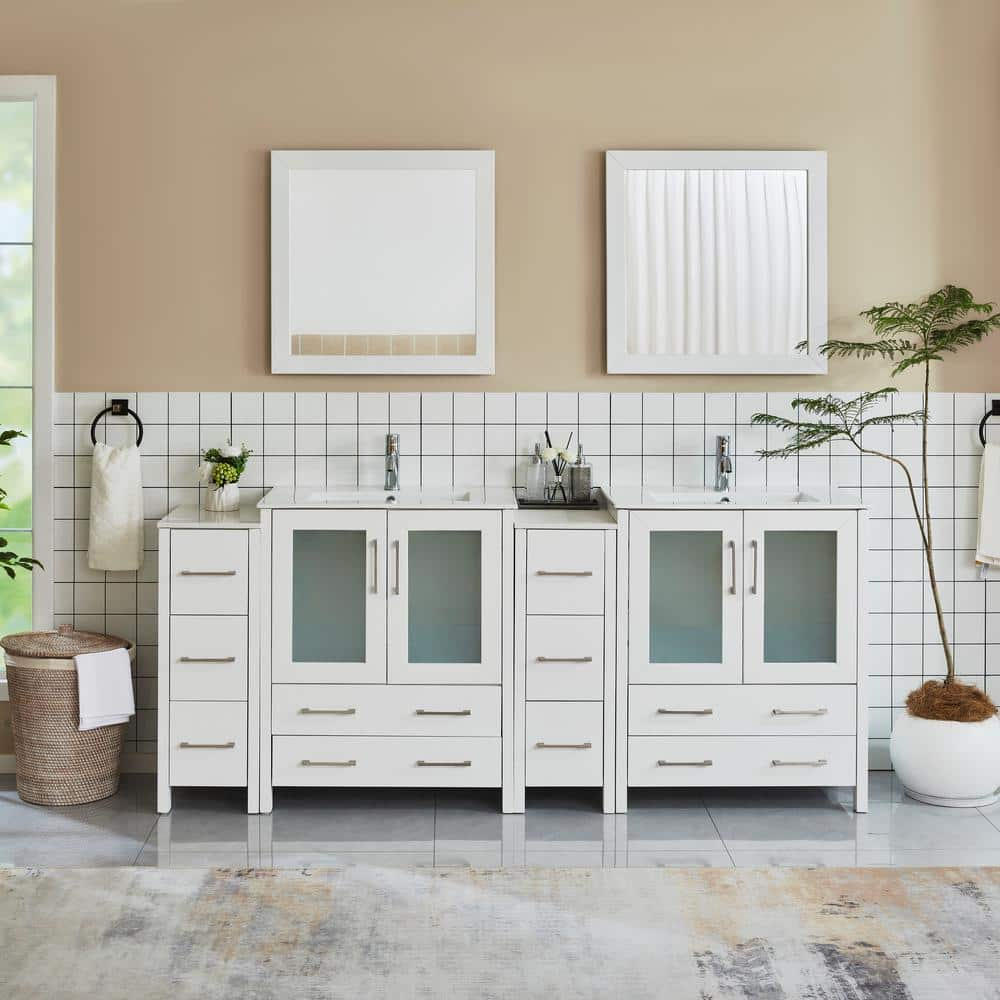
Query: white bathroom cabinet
(739, 662)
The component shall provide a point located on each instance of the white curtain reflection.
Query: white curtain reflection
(716, 261)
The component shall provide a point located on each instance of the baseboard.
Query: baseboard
(132, 763)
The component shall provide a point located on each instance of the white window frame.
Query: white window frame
(41, 90)
(619, 360)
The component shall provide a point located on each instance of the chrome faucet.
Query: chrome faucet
(723, 463)
(392, 461)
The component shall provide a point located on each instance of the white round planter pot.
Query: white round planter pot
(223, 498)
(947, 763)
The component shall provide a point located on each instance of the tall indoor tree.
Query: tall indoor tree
(911, 336)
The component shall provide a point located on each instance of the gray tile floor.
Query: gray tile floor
(314, 828)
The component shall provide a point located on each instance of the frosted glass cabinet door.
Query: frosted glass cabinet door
(684, 597)
(444, 597)
(801, 600)
(329, 597)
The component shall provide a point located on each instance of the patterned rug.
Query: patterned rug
(802, 934)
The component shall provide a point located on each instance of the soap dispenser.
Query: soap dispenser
(534, 486)
(580, 477)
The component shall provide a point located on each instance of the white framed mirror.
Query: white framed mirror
(382, 261)
(716, 261)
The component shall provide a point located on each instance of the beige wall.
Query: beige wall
(167, 110)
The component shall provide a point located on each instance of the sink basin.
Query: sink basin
(738, 498)
(388, 497)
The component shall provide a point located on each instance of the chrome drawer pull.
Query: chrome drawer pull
(207, 659)
(564, 572)
(434, 711)
(444, 763)
(753, 546)
(564, 659)
(208, 572)
(328, 711)
(329, 763)
(208, 746)
(799, 711)
(564, 746)
(683, 763)
(685, 711)
(799, 763)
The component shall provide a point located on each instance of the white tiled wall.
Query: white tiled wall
(468, 439)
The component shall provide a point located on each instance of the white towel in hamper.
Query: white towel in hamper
(104, 683)
(115, 509)
(988, 541)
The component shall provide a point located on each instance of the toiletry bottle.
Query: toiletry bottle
(580, 477)
(534, 486)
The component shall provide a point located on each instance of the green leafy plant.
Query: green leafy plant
(11, 561)
(911, 336)
(225, 465)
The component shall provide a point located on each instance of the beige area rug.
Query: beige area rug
(807, 934)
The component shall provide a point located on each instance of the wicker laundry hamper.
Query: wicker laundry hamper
(56, 764)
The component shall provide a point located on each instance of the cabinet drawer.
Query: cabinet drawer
(742, 710)
(208, 743)
(565, 657)
(684, 761)
(564, 744)
(398, 710)
(565, 572)
(387, 762)
(208, 572)
(208, 658)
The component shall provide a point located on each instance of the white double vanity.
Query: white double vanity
(427, 639)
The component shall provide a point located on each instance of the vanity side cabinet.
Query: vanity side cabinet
(564, 659)
(208, 667)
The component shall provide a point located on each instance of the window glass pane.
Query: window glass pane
(15, 595)
(15, 459)
(685, 597)
(15, 315)
(445, 597)
(328, 596)
(800, 596)
(17, 140)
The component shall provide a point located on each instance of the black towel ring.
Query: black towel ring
(993, 411)
(118, 408)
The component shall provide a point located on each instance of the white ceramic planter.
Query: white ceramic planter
(947, 763)
(224, 498)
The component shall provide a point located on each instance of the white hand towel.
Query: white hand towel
(115, 509)
(988, 542)
(104, 682)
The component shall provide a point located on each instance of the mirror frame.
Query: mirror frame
(810, 362)
(284, 162)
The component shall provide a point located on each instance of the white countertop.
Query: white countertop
(698, 498)
(479, 498)
(194, 517)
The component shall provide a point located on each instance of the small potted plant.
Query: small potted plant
(220, 471)
(11, 561)
(946, 747)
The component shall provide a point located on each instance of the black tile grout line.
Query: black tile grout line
(156, 823)
(718, 832)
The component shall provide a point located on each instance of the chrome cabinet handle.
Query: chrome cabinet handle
(208, 572)
(436, 711)
(732, 556)
(329, 763)
(207, 746)
(799, 711)
(753, 585)
(564, 659)
(206, 659)
(328, 711)
(683, 763)
(395, 545)
(563, 746)
(564, 572)
(444, 763)
(685, 711)
(375, 566)
(799, 763)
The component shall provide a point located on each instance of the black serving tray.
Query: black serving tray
(593, 503)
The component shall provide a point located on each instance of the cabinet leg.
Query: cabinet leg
(163, 798)
(266, 804)
(861, 796)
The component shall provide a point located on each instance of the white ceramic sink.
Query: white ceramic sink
(737, 498)
(404, 498)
